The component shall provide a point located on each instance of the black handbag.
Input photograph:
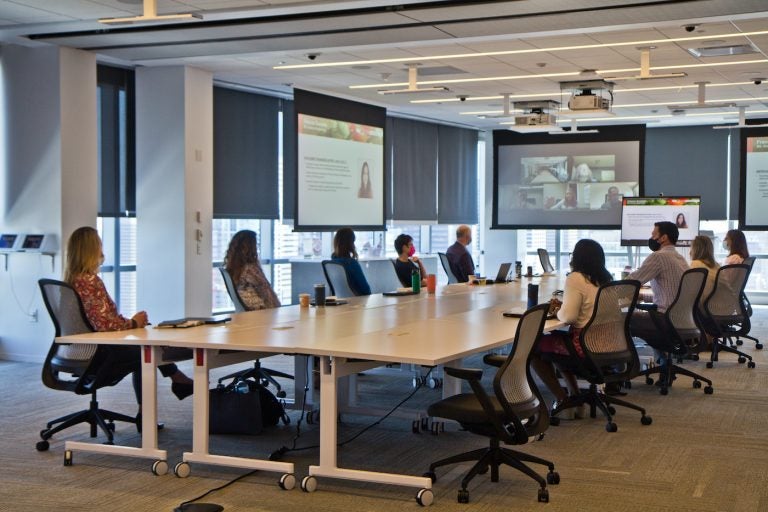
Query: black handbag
(235, 409)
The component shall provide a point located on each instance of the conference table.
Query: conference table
(424, 329)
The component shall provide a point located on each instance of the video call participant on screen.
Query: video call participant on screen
(588, 273)
(242, 264)
(680, 221)
(459, 258)
(662, 269)
(407, 261)
(612, 199)
(365, 182)
(345, 253)
(84, 257)
(736, 244)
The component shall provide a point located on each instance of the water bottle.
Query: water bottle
(242, 387)
(416, 280)
(518, 269)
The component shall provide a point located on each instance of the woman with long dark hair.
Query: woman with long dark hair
(736, 244)
(345, 253)
(242, 264)
(588, 274)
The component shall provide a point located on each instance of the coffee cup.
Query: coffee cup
(320, 295)
(431, 283)
(304, 300)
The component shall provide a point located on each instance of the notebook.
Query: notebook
(183, 323)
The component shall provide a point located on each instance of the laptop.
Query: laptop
(501, 277)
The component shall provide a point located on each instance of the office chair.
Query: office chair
(447, 267)
(546, 264)
(746, 325)
(609, 353)
(725, 313)
(679, 332)
(514, 414)
(264, 375)
(336, 276)
(394, 266)
(80, 369)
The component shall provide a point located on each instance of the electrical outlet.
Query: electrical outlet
(33, 316)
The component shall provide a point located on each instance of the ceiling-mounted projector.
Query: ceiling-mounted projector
(589, 95)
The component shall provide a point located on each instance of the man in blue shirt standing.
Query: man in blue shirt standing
(459, 258)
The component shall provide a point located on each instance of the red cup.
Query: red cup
(431, 283)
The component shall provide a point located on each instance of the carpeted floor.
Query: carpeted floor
(702, 452)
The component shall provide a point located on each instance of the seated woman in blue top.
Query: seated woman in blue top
(344, 252)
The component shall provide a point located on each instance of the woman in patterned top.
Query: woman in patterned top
(242, 263)
(84, 257)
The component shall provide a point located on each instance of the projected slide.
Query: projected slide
(755, 183)
(639, 214)
(565, 184)
(340, 167)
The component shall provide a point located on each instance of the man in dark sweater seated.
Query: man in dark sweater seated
(459, 258)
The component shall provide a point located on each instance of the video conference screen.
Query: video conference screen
(754, 180)
(340, 179)
(556, 181)
(639, 214)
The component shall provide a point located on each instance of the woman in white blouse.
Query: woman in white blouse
(588, 274)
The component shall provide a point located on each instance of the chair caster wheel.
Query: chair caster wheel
(67, 457)
(42, 446)
(281, 394)
(664, 391)
(759, 346)
(646, 420)
(742, 359)
(611, 410)
(554, 421)
(431, 475)
(287, 482)
(739, 342)
(159, 467)
(543, 496)
(710, 364)
(309, 484)
(696, 384)
(463, 496)
(649, 381)
(627, 384)
(695, 357)
(751, 364)
(553, 478)
(182, 470)
(611, 427)
(425, 497)
(708, 390)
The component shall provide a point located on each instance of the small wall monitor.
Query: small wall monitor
(44, 243)
(8, 242)
(639, 214)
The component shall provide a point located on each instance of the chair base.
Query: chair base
(720, 344)
(260, 374)
(97, 419)
(597, 400)
(668, 373)
(492, 458)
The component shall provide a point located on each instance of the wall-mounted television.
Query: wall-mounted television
(639, 214)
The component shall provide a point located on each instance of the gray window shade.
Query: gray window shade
(414, 170)
(688, 160)
(245, 141)
(457, 176)
(289, 159)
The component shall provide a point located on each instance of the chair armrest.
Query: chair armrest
(494, 360)
(470, 374)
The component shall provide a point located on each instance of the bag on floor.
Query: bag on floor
(243, 407)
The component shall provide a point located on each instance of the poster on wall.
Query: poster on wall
(754, 213)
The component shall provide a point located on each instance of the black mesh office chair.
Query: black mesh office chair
(264, 375)
(609, 353)
(742, 330)
(514, 414)
(546, 264)
(725, 312)
(447, 268)
(80, 369)
(336, 276)
(678, 332)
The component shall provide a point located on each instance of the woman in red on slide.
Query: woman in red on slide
(84, 257)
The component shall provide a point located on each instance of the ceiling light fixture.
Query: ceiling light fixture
(519, 52)
(150, 16)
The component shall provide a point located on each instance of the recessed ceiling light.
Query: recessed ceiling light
(723, 51)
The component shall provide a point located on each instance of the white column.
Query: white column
(174, 191)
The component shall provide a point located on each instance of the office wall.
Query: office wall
(48, 174)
